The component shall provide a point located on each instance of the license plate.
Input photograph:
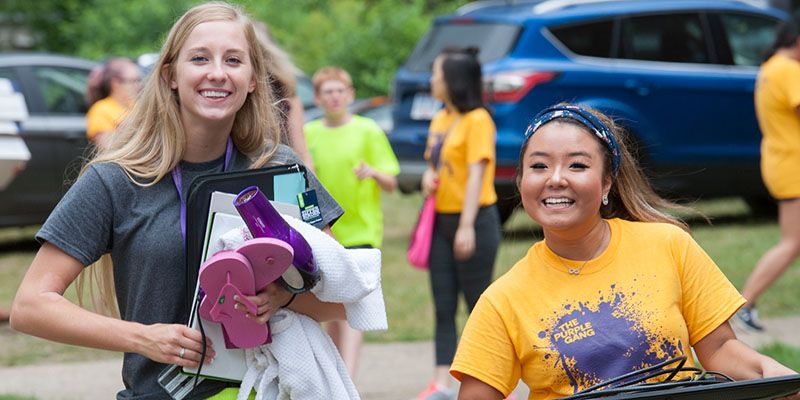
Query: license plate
(424, 107)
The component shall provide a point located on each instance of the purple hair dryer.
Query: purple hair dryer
(263, 220)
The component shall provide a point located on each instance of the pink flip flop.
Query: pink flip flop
(243, 272)
(269, 258)
(223, 276)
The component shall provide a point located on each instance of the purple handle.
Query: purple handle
(263, 220)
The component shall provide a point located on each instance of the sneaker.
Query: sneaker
(748, 316)
(436, 392)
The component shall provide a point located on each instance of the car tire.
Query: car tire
(762, 206)
(506, 204)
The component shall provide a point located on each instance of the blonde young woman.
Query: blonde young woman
(615, 286)
(207, 109)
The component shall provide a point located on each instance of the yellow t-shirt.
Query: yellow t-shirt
(777, 97)
(470, 140)
(103, 116)
(651, 295)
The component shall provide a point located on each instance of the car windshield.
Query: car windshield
(493, 40)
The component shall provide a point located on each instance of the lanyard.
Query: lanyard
(176, 177)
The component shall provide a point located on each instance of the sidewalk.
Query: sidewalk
(388, 371)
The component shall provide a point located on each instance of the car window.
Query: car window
(62, 89)
(668, 37)
(10, 74)
(749, 36)
(493, 40)
(305, 91)
(591, 39)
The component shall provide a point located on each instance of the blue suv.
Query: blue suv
(677, 74)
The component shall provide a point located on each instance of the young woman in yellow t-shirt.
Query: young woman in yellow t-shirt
(110, 93)
(461, 159)
(777, 100)
(615, 286)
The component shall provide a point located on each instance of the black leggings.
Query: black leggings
(449, 276)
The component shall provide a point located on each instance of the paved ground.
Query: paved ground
(393, 371)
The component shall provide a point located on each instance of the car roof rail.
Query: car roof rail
(481, 4)
(553, 5)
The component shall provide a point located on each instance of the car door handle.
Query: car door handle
(637, 86)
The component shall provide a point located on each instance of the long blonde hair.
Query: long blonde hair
(631, 196)
(151, 141)
(279, 64)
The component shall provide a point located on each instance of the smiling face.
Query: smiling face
(563, 177)
(212, 73)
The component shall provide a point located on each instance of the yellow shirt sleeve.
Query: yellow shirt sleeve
(485, 351)
(708, 297)
(103, 116)
(481, 137)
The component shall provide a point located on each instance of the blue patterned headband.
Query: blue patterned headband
(586, 118)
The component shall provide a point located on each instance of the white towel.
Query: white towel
(302, 362)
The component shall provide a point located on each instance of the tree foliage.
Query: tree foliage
(368, 38)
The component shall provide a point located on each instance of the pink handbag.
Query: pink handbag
(419, 248)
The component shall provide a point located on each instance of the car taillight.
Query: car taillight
(512, 86)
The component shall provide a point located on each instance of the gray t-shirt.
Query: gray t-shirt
(105, 212)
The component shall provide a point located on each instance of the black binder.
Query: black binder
(754, 389)
(198, 201)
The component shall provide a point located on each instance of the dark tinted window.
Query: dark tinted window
(672, 38)
(493, 40)
(592, 39)
(10, 74)
(305, 91)
(62, 89)
(748, 36)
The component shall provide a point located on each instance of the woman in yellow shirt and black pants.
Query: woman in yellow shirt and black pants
(777, 101)
(461, 159)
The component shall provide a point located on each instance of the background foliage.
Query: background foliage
(369, 38)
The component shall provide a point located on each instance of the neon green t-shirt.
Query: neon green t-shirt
(336, 153)
(649, 297)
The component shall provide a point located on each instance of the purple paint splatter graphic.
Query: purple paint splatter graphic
(595, 344)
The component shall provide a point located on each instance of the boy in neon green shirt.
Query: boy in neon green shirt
(354, 161)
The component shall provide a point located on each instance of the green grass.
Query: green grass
(784, 354)
(14, 397)
(734, 240)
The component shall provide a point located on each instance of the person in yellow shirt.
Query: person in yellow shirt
(777, 100)
(461, 164)
(615, 286)
(111, 91)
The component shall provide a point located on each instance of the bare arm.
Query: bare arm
(296, 135)
(387, 182)
(721, 351)
(464, 243)
(430, 181)
(475, 389)
(40, 309)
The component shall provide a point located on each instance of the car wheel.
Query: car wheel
(762, 206)
(506, 206)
